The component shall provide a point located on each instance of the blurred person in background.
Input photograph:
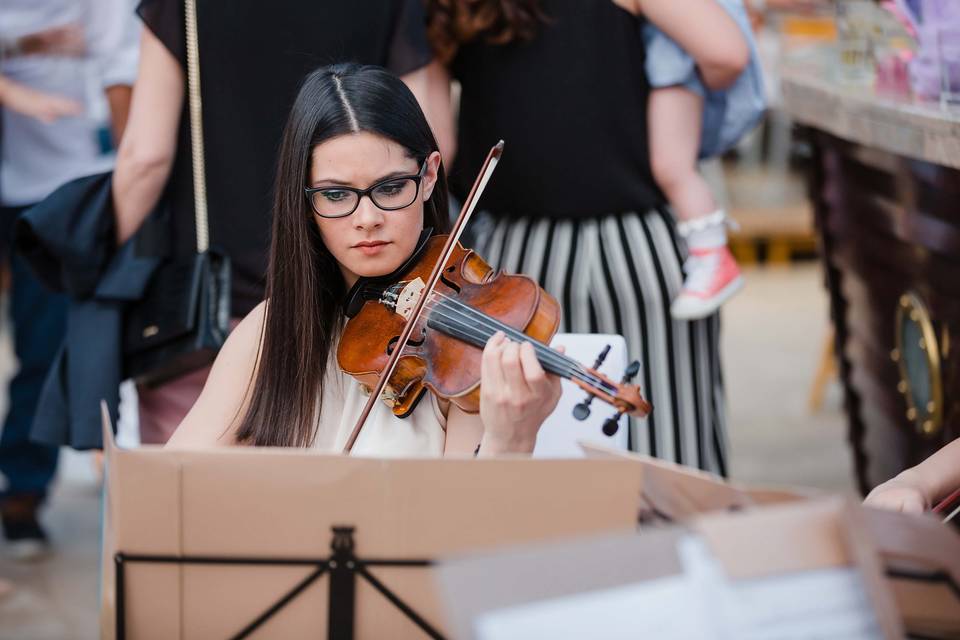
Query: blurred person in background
(253, 57)
(62, 63)
(574, 203)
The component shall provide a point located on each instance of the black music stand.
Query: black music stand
(342, 565)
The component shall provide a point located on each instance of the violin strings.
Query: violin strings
(562, 364)
(459, 329)
(492, 325)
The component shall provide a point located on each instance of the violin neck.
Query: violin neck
(550, 359)
(463, 322)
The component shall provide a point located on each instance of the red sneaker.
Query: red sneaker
(712, 278)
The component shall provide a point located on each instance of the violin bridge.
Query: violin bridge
(408, 297)
(388, 395)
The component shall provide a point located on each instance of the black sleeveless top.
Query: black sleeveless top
(253, 57)
(571, 105)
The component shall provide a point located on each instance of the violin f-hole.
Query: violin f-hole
(452, 285)
(411, 342)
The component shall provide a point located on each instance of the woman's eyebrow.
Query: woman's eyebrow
(347, 183)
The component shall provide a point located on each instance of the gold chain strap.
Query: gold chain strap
(196, 128)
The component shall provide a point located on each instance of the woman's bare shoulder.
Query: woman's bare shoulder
(218, 411)
(250, 330)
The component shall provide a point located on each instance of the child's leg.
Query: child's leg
(675, 117)
(712, 276)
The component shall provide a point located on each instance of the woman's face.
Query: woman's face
(370, 241)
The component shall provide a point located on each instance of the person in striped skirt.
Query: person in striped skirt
(573, 203)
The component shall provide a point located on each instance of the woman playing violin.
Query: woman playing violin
(359, 178)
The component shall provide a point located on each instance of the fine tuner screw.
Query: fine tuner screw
(612, 424)
(582, 411)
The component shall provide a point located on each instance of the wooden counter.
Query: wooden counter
(885, 185)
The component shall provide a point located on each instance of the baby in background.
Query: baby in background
(688, 122)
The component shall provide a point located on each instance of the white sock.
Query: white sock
(705, 232)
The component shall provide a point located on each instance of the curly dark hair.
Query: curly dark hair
(451, 23)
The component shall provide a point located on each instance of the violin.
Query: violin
(425, 326)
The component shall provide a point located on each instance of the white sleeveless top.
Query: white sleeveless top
(422, 433)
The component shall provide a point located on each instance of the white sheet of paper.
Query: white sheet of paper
(819, 604)
(700, 604)
(653, 609)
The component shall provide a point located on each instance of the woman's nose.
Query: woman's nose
(367, 215)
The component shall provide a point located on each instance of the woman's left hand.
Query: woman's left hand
(516, 396)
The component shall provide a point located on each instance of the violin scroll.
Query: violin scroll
(623, 396)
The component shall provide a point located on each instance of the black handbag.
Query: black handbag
(183, 318)
(182, 321)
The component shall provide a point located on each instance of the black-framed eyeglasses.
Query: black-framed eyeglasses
(391, 194)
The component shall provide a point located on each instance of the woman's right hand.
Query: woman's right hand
(900, 493)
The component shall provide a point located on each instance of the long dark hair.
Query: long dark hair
(305, 289)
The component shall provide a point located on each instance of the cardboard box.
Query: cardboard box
(673, 493)
(281, 504)
(922, 561)
(793, 541)
(920, 555)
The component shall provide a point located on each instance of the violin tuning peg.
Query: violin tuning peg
(612, 424)
(631, 371)
(581, 411)
(601, 357)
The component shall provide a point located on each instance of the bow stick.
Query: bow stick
(486, 171)
(949, 506)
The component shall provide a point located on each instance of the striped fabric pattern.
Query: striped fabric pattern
(617, 274)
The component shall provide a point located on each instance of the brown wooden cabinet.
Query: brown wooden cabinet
(890, 227)
(885, 185)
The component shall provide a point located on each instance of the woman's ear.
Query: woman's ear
(430, 175)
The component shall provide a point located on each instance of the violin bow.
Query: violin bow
(486, 171)
(949, 506)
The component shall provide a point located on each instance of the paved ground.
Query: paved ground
(773, 336)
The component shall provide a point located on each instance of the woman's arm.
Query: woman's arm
(516, 396)
(431, 86)
(216, 415)
(705, 31)
(149, 141)
(919, 488)
(118, 98)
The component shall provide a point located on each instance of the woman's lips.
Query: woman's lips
(371, 248)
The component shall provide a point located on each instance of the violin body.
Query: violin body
(433, 358)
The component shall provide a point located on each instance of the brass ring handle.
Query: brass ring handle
(918, 358)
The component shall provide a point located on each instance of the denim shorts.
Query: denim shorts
(728, 114)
